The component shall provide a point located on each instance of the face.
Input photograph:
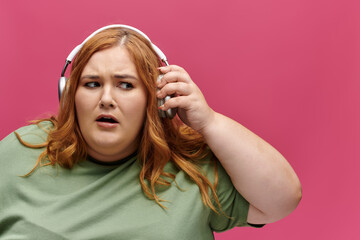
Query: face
(110, 104)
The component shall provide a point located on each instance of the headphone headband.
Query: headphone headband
(78, 47)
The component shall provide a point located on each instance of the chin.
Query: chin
(108, 144)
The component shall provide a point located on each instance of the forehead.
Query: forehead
(116, 58)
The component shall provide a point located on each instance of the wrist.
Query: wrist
(210, 124)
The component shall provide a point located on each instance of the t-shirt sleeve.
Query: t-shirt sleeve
(233, 205)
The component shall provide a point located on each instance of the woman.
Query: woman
(108, 167)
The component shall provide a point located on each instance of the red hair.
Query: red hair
(162, 140)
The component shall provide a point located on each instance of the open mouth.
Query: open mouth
(107, 120)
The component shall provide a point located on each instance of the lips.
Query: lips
(106, 118)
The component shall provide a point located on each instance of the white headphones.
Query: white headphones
(170, 113)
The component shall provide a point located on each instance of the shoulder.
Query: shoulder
(35, 133)
(234, 206)
(13, 152)
(31, 134)
(215, 172)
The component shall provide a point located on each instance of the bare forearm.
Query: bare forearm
(258, 171)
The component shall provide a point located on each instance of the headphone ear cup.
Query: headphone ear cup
(170, 113)
(160, 102)
(61, 88)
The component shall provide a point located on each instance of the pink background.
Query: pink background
(286, 69)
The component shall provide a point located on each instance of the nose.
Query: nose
(107, 100)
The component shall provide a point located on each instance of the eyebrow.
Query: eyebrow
(122, 76)
(117, 76)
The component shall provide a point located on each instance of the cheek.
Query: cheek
(143, 101)
(82, 105)
(136, 107)
(78, 103)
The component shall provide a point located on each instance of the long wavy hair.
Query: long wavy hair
(162, 140)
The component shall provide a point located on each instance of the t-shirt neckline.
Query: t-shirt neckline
(112, 163)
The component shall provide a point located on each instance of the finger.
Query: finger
(171, 68)
(171, 77)
(178, 88)
(175, 102)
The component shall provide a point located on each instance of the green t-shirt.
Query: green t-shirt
(93, 201)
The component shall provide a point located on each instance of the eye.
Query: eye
(92, 84)
(125, 85)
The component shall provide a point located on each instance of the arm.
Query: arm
(258, 171)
